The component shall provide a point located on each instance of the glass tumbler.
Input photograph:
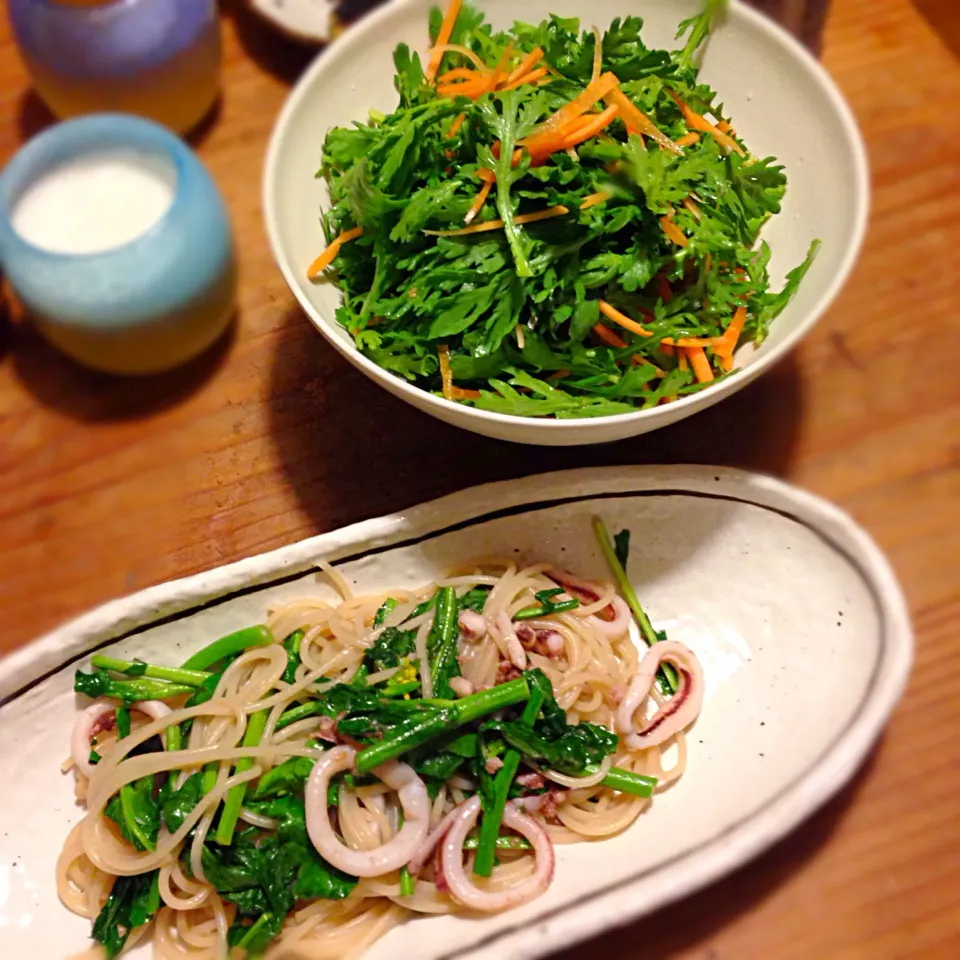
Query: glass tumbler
(156, 58)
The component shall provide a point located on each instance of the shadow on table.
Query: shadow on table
(690, 922)
(276, 53)
(352, 451)
(945, 19)
(63, 385)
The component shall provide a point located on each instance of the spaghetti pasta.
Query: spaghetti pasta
(269, 751)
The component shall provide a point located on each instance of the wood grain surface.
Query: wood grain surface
(107, 486)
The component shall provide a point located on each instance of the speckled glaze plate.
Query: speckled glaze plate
(798, 620)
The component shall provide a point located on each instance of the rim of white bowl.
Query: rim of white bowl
(826, 83)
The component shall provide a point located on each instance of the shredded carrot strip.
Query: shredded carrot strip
(663, 288)
(455, 126)
(463, 51)
(700, 364)
(443, 38)
(666, 349)
(592, 127)
(682, 362)
(459, 73)
(601, 196)
(463, 393)
(478, 203)
(526, 65)
(608, 336)
(597, 55)
(725, 127)
(672, 231)
(544, 140)
(480, 83)
(612, 313)
(636, 120)
(559, 375)
(557, 211)
(728, 342)
(669, 399)
(530, 77)
(446, 374)
(713, 342)
(572, 154)
(486, 175)
(330, 254)
(692, 207)
(687, 140)
(472, 89)
(637, 361)
(693, 119)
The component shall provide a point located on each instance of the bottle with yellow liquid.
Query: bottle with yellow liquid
(156, 58)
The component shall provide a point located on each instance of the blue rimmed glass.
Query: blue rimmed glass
(156, 58)
(144, 306)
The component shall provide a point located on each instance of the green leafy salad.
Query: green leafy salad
(552, 222)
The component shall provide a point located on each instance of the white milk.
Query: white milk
(96, 202)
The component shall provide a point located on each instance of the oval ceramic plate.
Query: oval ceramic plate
(799, 623)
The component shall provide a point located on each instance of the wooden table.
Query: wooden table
(107, 486)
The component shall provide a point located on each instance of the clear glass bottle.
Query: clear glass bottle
(156, 58)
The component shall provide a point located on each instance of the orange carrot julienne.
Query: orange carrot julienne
(667, 349)
(526, 65)
(731, 335)
(672, 231)
(464, 393)
(601, 196)
(693, 119)
(592, 128)
(612, 313)
(683, 363)
(463, 51)
(557, 211)
(691, 205)
(700, 364)
(608, 336)
(480, 200)
(688, 139)
(637, 361)
(446, 374)
(543, 140)
(530, 77)
(456, 125)
(330, 254)
(457, 73)
(713, 342)
(725, 127)
(559, 375)
(634, 118)
(443, 37)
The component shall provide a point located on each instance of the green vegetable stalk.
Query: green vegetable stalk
(137, 668)
(234, 799)
(228, 646)
(493, 815)
(432, 721)
(666, 676)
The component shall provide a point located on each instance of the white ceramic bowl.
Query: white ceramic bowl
(782, 101)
